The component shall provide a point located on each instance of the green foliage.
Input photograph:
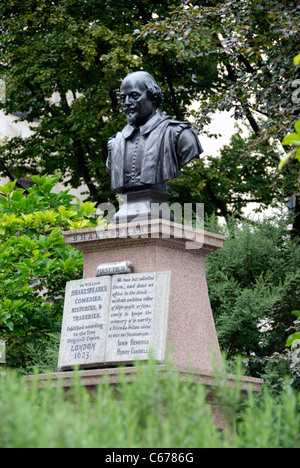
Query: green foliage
(295, 336)
(63, 63)
(252, 45)
(35, 262)
(234, 55)
(156, 410)
(254, 285)
(293, 139)
(297, 60)
(231, 182)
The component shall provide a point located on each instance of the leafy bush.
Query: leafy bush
(155, 410)
(35, 262)
(254, 284)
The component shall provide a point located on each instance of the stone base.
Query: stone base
(163, 246)
(158, 246)
(144, 205)
(92, 378)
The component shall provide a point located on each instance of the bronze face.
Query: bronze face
(137, 105)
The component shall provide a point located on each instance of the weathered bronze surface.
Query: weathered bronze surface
(152, 148)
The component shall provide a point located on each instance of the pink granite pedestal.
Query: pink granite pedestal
(153, 246)
(163, 246)
(91, 379)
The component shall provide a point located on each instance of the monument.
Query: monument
(144, 285)
(144, 289)
(116, 311)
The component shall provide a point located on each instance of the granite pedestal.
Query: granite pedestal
(159, 245)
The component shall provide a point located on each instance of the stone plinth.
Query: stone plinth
(91, 379)
(163, 246)
(160, 246)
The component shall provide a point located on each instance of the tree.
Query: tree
(63, 62)
(253, 286)
(252, 45)
(231, 182)
(35, 262)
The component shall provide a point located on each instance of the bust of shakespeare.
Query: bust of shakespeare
(152, 148)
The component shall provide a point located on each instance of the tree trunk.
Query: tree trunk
(296, 225)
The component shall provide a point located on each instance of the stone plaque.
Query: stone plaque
(115, 320)
(114, 268)
(138, 317)
(84, 325)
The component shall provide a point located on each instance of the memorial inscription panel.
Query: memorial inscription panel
(138, 316)
(111, 320)
(84, 325)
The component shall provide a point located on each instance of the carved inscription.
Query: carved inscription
(85, 322)
(115, 319)
(114, 268)
(131, 317)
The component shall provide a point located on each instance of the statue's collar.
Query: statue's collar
(152, 123)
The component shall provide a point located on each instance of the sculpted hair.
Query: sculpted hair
(154, 91)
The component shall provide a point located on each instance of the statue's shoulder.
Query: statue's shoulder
(177, 127)
(164, 118)
(112, 138)
(180, 123)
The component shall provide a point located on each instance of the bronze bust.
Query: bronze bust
(152, 148)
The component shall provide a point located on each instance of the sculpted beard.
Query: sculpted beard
(131, 115)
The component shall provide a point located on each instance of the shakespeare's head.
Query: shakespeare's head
(140, 97)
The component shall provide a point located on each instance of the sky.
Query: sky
(224, 124)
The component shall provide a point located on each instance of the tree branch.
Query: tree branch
(246, 106)
(173, 101)
(10, 175)
(247, 64)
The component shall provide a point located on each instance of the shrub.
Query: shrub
(254, 284)
(156, 410)
(35, 263)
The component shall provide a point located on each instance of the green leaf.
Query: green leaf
(7, 303)
(36, 253)
(297, 60)
(297, 127)
(78, 224)
(68, 263)
(292, 338)
(8, 188)
(66, 213)
(10, 325)
(89, 208)
(291, 139)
